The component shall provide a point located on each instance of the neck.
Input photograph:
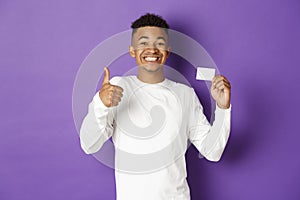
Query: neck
(151, 77)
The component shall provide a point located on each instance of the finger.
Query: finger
(116, 88)
(214, 81)
(215, 84)
(219, 83)
(221, 79)
(117, 94)
(114, 95)
(106, 86)
(115, 102)
(116, 99)
(106, 76)
(222, 83)
(216, 77)
(226, 81)
(227, 85)
(220, 87)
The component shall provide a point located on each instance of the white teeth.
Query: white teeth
(151, 59)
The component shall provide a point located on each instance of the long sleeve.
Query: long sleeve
(97, 126)
(210, 140)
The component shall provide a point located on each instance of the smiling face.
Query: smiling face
(150, 47)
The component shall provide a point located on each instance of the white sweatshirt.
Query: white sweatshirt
(151, 129)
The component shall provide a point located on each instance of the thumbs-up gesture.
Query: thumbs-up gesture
(110, 94)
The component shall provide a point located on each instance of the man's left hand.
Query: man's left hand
(220, 91)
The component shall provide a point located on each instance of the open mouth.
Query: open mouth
(151, 59)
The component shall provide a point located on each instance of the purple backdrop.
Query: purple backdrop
(254, 43)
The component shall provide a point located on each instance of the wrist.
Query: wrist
(223, 106)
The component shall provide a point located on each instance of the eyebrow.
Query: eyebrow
(161, 38)
(145, 37)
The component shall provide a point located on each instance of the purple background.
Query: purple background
(254, 43)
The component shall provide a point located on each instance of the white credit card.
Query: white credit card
(205, 74)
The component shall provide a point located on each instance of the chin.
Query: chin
(152, 67)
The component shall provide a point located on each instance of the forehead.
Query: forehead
(150, 32)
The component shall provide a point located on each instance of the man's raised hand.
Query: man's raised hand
(220, 91)
(110, 94)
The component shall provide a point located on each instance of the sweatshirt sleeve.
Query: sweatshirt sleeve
(210, 140)
(97, 126)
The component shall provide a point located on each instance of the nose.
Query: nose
(152, 48)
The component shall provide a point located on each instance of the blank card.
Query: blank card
(205, 74)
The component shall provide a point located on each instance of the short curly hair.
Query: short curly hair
(150, 20)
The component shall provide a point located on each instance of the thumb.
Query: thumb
(106, 76)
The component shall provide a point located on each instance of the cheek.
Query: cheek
(166, 56)
(138, 57)
(167, 53)
(140, 53)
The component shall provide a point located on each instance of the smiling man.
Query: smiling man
(150, 47)
(151, 119)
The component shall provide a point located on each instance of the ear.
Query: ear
(168, 51)
(131, 51)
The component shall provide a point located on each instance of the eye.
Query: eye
(161, 44)
(143, 43)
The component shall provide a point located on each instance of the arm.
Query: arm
(210, 140)
(97, 126)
